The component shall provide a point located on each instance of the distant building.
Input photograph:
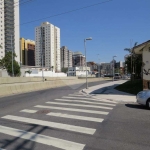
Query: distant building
(27, 52)
(66, 57)
(48, 42)
(106, 68)
(78, 59)
(120, 67)
(93, 66)
(78, 71)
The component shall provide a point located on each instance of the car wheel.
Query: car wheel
(148, 103)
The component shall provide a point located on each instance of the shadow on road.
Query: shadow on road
(22, 146)
(136, 106)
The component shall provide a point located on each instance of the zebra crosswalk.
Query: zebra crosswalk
(75, 113)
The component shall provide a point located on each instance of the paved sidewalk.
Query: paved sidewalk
(107, 91)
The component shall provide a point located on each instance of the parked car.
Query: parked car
(117, 76)
(143, 98)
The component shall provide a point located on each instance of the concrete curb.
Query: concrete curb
(112, 97)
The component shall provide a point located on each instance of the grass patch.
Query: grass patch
(132, 87)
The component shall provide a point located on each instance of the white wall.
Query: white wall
(38, 73)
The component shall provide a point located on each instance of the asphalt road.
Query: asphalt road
(61, 118)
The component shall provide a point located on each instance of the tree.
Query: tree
(6, 62)
(29, 72)
(52, 67)
(64, 70)
(134, 62)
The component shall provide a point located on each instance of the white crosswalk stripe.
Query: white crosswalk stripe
(73, 109)
(68, 104)
(52, 124)
(75, 117)
(81, 101)
(101, 100)
(47, 140)
(29, 111)
(76, 95)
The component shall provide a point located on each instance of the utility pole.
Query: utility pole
(12, 58)
(99, 70)
(42, 54)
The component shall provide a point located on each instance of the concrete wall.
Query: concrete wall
(16, 85)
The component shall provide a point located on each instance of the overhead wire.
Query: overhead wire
(70, 11)
(15, 4)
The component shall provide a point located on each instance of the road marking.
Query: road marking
(80, 105)
(76, 95)
(73, 109)
(101, 100)
(81, 101)
(52, 124)
(75, 117)
(39, 138)
(29, 111)
(2, 149)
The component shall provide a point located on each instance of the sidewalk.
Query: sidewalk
(107, 91)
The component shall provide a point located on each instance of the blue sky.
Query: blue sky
(111, 25)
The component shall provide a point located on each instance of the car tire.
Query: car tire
(148, 103)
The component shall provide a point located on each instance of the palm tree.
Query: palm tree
(130, 50)
(52, 67)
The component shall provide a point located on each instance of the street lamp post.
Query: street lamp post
(85, 59)
(113, 66)
(12, 58)
(99, 66)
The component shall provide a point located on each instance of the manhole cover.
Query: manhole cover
(43, 111)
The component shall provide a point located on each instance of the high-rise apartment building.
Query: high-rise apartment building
(66, 57)
(78, 59)
(27, 52)
(9, 27)
(47, 39)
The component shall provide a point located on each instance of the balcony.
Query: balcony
(9, 26)
(7, 13)
(9, 2)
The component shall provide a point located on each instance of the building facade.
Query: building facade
(66, 57)
(120, 67)
(144, 50)
(9, 27)
(79, 71)
(93, 66)
(106, 68)
(27, 52)
(78, 59)
(47, 39)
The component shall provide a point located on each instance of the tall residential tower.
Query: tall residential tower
(66, 57)
(9, 27)
(47, 41)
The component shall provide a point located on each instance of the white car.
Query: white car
(143, 98)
